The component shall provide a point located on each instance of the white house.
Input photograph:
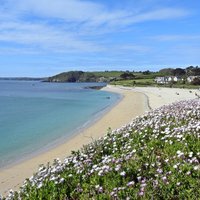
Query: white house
(191, 78)
(166, 79)
(160, 80)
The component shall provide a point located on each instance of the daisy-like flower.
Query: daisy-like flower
(123, 173)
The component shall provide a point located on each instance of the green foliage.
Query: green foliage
(166, 71)
(108, 74)
(178, 72)
(196, 81)
(72, 76)
(193, 71)
(127, 76)
(79, 76)
(135, 82)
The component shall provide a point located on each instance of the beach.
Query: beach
(135, 102)
(159, 96)
(131, 105)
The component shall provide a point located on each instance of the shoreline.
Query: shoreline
(54, 144)
(114, 117)
(134, 103)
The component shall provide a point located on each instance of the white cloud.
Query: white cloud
(175, 37)
(44, 37)
(90, 13)
(80, 23)
(70, 10)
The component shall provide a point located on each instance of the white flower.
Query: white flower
(178, 152)
(188, 173)
(39, 186)
(123, 173)
(61, 180)
(130, 183)
(175, 166)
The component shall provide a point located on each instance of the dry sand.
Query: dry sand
(135, 102)
(132, 104)
(162, 96)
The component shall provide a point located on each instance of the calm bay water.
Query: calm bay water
(36, 115)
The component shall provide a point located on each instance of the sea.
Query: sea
(36, 116)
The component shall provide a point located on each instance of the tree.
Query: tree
(178, 72)
(127, 76)
(146, 72)
(166, 71)
(196, 81)
(193, 71)
(196, 71)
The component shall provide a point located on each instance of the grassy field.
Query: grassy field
(135, 82)
(151, 82)
(108, 74)
(156, 156)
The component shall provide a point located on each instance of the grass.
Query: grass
(108, 74)
(156, 156)
(136, 82)
(151, 82)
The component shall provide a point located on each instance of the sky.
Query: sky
(40, 38)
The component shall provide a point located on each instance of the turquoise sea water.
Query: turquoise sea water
(36, 115)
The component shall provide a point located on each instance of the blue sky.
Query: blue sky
(45, 37)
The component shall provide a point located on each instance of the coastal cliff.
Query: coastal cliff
(75, 76)
(80, 76)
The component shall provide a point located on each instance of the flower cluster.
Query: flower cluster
(155, 156)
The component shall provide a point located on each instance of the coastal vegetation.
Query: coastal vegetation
(187, 78)
(156, 156)
(132, 78)
(80, 76)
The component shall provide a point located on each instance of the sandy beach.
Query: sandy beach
(135, 102)
(159, 96)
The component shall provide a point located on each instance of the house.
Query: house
(160, 80)
(191, 78)
(167, 79)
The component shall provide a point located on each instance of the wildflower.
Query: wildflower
(99, 188)
(178, 184)
(39, 186)
(167, 160)
(100, 173)
(61, 180)
(113, 194)
(117, 168)
(160, 171)
(178, 152)
(175, 166)
(141, 193)
(164, 178)
(131, 183)
(123, 173)
(188, 173)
